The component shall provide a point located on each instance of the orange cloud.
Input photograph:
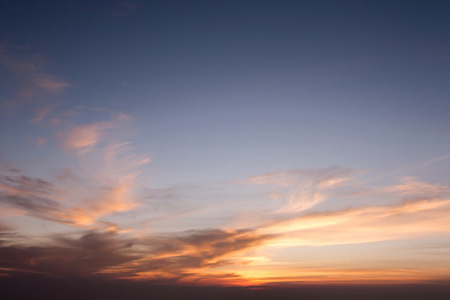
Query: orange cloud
(83, 139)
(273, 274)
(86, 138)
(104, 184)
(113, 200)
(365, 224)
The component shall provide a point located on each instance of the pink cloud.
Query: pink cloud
(34, 83)
(41, 114)
(84, 138)
(41, 141)
(410, 186)
(50, 83)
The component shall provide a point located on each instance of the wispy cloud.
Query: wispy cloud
(32, 83)
(306, 187)
(22, 185)
(433, 161)
(105, 180)
(328, 177)
(41, 199)
(365, 224)
(124, 9)
(41, 114)
(85, 138)
(111, 200)
(6, 233)
(410, 186)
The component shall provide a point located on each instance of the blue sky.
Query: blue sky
(296, 132)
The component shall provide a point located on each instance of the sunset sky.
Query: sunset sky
(225, 143)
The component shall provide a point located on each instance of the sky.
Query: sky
(225, 143)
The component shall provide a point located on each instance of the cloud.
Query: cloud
(410, 219)
(410, 186)
(124, 9)
(33, 196)
(41, 114)
(83, 139)
(113, 166)
(51, 84)
(103, 184)
(31, 83)
(6, 233)
(109, 254)
(202, 248)
(329, 177)
(187, 256)
(86, 138)
(306, 187)
(65, 256)
(4, 227)
(111, 200)
(430, 162)
(42, 199)
(206, 255)
(22, 185)
(40, 141)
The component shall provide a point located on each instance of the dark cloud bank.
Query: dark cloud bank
(67, 268)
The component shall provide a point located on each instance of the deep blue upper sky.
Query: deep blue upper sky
(308, 76)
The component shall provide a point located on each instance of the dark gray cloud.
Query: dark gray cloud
(28, 184)
(92, 252)
(64, 256)
(6, 233)
(33, 195)
(199, 249)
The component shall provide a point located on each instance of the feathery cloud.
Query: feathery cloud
(306, 188)
(32, 83)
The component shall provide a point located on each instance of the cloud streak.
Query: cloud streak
(410, 219)
(306, 188)
(32, 83)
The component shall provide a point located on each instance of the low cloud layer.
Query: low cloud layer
(107, 254)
